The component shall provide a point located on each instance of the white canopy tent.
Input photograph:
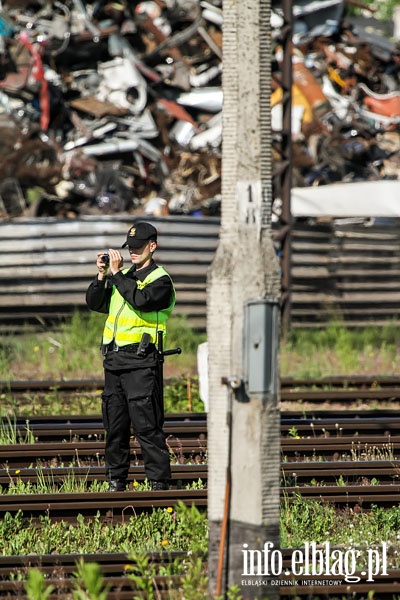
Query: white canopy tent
(358, 199)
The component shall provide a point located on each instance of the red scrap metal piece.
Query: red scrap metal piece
(382, 104)
(38, 74)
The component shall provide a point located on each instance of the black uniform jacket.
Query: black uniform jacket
(154, 296)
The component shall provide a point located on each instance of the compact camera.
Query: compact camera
(105, 259)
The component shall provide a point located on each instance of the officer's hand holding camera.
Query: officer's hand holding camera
(109, 260)
(116, 260)
(102, 263)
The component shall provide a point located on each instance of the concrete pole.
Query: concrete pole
(245, 268)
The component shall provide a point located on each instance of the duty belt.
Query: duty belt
(113, 347)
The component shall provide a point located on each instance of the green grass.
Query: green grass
(304, 519)
(72, 352)
(70, 484)
(174, 528)
(337, 350)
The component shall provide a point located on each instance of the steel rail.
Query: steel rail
(293, 449)
(345, 395)
(361, 496)
(383, 587)
(19, 456)
(316, 413)
(111, 563)
(339, 382)
(59, 568)
(122, 588)
(187, 425)
(90, 427)
(339, 425)
(80, 431)
(180, 474)
(383, 471)
(338, 447)
(361, 472)
(111, 506)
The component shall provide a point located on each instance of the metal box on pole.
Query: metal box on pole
(261, 342)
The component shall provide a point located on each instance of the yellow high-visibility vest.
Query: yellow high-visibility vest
(126, 324)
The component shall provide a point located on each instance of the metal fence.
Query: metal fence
(47, 264)
(347, 272)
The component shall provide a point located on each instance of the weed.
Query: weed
(10, 434)
(35, 585)
(89, 584)
(143, 574)
(195, 584)
(196, 485)
(73, 350)
(305, 519)
(182, 394)
(366, 451)
(293, 433)
(177, 528)
(336, 349)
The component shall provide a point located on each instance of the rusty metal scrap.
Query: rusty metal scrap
(345, 97)
(117, 107)
(94, 91)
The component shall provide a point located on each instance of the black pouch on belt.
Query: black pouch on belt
(143, 345)
(105, 348)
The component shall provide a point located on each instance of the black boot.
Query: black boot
(117, 485)
(159, 485)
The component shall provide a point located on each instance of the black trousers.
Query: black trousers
(133, 399)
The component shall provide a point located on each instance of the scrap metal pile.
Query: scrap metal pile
(345, 97)
(116, 106)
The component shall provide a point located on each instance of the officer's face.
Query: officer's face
(141, 257)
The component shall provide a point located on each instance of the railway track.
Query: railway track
(340, 423)
(308, 424)
(112, 507)
(286, 383)
(293, 450)
(361, 497)
(321, 473)
(59, 570)
(328, 389)
(299, 474)
(339, 382)
(115, 568)
(354, 448)
(46, 454)
(117, 506)
(365, 466)
(342, 445)
(90, 427)
(194, 426)
(182, 475)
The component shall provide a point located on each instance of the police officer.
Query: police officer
(138, 301)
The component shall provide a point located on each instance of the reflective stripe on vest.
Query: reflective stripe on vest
(126, 325)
